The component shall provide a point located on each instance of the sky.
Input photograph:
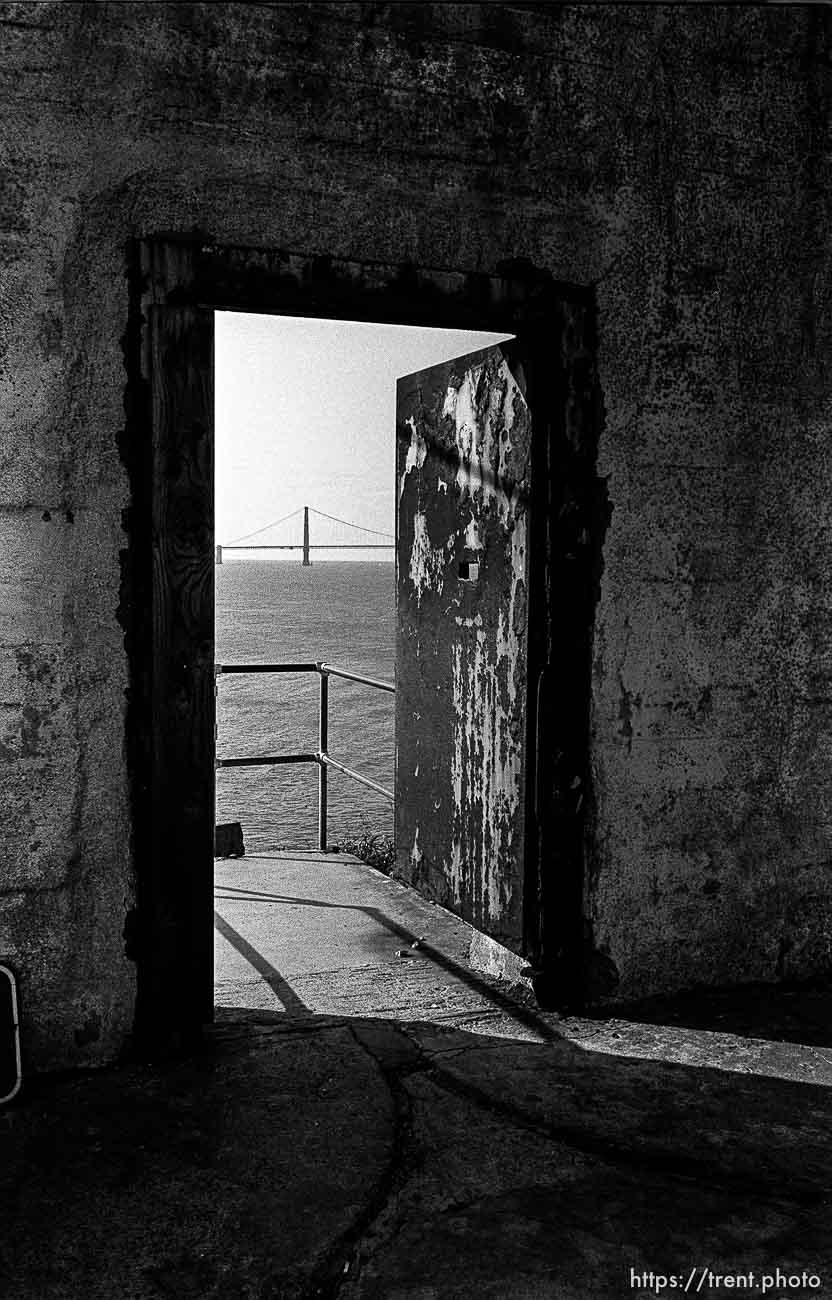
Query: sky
(305, 414)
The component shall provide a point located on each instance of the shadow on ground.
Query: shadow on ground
(303, 1155)
(797, 1013)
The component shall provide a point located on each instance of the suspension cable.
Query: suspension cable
(349, 524)
(264, 529)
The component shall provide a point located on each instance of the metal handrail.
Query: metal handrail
(322, 757)
(332, 671)
(266, 668)
(266, 760)
(328, 761)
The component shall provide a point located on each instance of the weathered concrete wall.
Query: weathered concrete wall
(463, 437)
(712, 664)
(677, 157)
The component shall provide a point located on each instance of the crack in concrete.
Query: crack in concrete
(398, 1054)
(343, 1260)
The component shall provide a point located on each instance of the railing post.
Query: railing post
(323, 741)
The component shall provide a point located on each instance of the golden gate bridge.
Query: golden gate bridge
(244, 543)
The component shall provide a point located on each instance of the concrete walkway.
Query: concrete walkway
(313, 933)
(385, 1127)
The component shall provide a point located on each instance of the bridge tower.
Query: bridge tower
(219, 554)
(306, 560)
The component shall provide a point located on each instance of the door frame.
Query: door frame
(167, 933)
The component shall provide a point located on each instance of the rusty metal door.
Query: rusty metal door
(463, 466)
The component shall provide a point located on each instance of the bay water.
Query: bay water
(273, 611)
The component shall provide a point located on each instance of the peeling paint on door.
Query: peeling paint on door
(427, 562)
(464, 441)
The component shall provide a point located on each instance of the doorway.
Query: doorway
(169, 577)
(305, 641)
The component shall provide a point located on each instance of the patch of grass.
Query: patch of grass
(375, 849)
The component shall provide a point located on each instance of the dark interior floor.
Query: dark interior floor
(790, 1012)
